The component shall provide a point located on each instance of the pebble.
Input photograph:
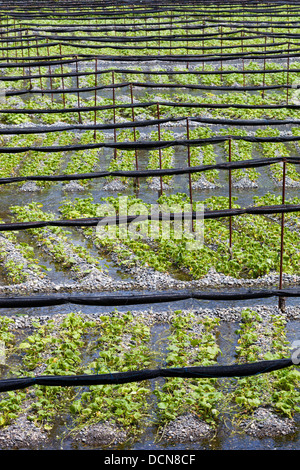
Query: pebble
(22, 434)
(265, 423)
(186, 428)
(101, 434)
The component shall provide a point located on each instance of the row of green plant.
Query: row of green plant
(122, 343)
(192, 342)
(80, 346)
(73, 47)
(219, 78)
(55, 240)
(16, 271)
(255, 247)
(280, 389)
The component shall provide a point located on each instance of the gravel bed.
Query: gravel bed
(186, 429)
(265, 423)
(101, 434)
(22, 434)
(151, 317)
(144, 279)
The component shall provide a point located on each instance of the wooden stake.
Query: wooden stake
(134, 136)
(159, 151)
(95, 101)
(189, 164)
(78, 96)
(230, 197)
(281, 304)
(114, 111)
(62, 80)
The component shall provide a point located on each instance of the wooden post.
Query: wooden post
(189, 164)
(62, 81)
(114, 112)
(95, 100)
(159, 151)
(287, 75)
(264, 75)
(281, 303)
(78, 96)
(37, 53)
(230, 196)
(134, 136)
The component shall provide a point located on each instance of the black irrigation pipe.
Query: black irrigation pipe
(126, 219)
(226, 36)
(112, 300)
(145, 72)
(143, 58)
(120, 15)
(149, 104)
(235, 370)
(151, 26)
(147, 85)
(148, 144)
(44, 60)
(141, 124)
(126, 39)
(241, 164)
(146, 47)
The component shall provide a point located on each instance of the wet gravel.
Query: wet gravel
(186, 429)
(264, 423)
(101, 434)
(22, 434)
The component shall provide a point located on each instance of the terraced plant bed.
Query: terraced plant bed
(234, 76)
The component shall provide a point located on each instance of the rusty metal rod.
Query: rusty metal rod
(282, 299)
(230, 195)
(134, 136)
(159, 150)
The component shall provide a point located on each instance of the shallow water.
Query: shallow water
(51, 199)
(227, 437)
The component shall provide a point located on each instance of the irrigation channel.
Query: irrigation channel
(157, 109)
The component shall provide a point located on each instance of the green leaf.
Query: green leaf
(24, 345)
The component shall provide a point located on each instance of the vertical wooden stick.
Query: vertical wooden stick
(287, 75)
(114, 112)
(230, 196)
(62, 80)
(221, 53)
(78, 96)
(282, 299)
(159, 151)
(189, 164)
(95, 100)
(37, 53)
(264, 75)
(134, 136)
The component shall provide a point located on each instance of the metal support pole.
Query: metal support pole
(230, 196)
(114, 112)
(62, 80)
(95, 101)
(189, 164)
(287, 75)
(281, 303)
(78, 96)
(159, 151)
(134, 136)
